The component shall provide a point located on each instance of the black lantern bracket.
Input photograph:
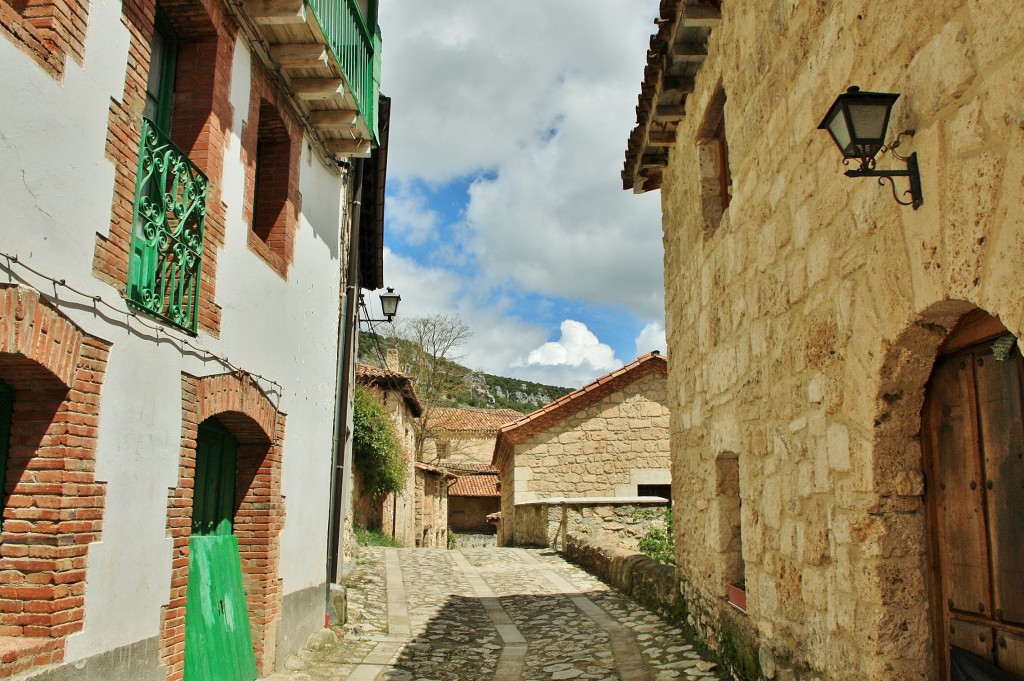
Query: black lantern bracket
(867, 169)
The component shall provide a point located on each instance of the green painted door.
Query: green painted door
(218, 644)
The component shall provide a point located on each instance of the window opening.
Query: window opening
(270, 192)
(713, 156)
(663, 491)
(6, 417)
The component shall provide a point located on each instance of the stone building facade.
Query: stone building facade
(607, 439)
(393, 514)
(457, 434)
(835, 437)
(432, 506)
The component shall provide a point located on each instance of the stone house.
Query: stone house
(457, 434)
(846, 386)
(166, 328)
(607, 439)
(393, 514)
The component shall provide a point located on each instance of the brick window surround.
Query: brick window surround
(53, 506)
(200, 124)
(47, 30)
(271, 151)
(244, 409)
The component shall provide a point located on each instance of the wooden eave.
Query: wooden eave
(677, 51)
(292, 43)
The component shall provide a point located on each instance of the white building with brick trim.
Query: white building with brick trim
(188, 214)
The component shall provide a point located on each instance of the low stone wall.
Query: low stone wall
(613, 521)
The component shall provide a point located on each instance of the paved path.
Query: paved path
(491, 613)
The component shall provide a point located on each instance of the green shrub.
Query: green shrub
(375, 447)
(659, 542)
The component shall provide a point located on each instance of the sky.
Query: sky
(504, 204)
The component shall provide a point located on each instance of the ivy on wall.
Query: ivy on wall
(375, 447)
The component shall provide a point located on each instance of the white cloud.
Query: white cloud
(536, 98)
(576, 358)
(410, 216)
(651, 337)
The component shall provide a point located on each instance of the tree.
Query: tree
(432, 354)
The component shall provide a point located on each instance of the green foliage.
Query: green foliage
(375, 447)
(452, 539)
(365, 537)
(659, 542)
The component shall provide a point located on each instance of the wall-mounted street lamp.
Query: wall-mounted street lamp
(857, 122)
(388, 306)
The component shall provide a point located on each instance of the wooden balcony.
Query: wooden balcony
(331, 61)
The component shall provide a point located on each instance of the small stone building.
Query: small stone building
(846, 384)
(464, 434)
(472, 496)
(394, 514)
(431, 506)
(607, 439)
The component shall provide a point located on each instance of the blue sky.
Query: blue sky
(504, 205)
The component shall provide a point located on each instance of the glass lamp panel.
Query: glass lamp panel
(389, 303)
(838, 129)
(869, 120)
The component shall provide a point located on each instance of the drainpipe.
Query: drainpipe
(342, 442)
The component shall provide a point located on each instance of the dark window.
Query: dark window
(663, 491)
(270, 193)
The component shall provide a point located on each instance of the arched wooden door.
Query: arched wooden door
(973, 434)
(218, 643)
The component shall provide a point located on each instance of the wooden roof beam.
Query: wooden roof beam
(661, 139)
(276, 11)
(318, 88)
(667, 113)
(681, 85)
(334, 119)
(348, 148)
(704, 16)
(693, 53)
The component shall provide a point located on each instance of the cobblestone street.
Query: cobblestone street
(503, 614)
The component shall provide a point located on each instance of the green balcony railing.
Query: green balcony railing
(166, 258)
(357, 51)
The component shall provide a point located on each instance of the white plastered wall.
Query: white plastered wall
(57, 188)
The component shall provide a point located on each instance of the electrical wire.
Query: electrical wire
(162, 332)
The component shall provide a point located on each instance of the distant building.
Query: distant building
(607, 439)
(456, 434)
(472, 496)
(431, 506)
(393, 514)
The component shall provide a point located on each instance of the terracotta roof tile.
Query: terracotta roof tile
(567, 405)
(426, 467)
(475, 486)
(469, 467)
(455, 419)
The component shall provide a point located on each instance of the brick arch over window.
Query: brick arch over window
(53, 506)
(245, 410)
(897, 521)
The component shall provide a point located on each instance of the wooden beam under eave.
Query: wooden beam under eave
(706, 16)
(654, 159)
(299, 55)
(661, 139)
(276, 11)
(667, 113)
(349, 148)
(334, 119)
(692, 53)
(682, 85)
(318, 88)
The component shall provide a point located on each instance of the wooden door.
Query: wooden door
(974, 440)
(218, 643)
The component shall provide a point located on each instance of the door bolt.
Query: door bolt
(974, 484)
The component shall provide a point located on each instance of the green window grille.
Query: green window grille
(6, 417)
(165, 261)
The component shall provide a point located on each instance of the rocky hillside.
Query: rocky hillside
(481, 389)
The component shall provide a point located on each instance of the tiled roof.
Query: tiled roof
(474, 486)
(454, 419)
(469, 467)
(367, 374)
(567, 405)
(427, 468)
(676, 53)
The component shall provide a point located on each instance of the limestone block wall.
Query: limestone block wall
(803, 324)
(469, 514)
(608, 522)
(461, 447)
(600, 450)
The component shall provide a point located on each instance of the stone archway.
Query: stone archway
(245, 410)
(898, 518)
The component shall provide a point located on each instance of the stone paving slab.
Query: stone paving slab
(491, 614)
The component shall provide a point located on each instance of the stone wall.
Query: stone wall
(803, 324)
(613, 522)
(469, 514)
